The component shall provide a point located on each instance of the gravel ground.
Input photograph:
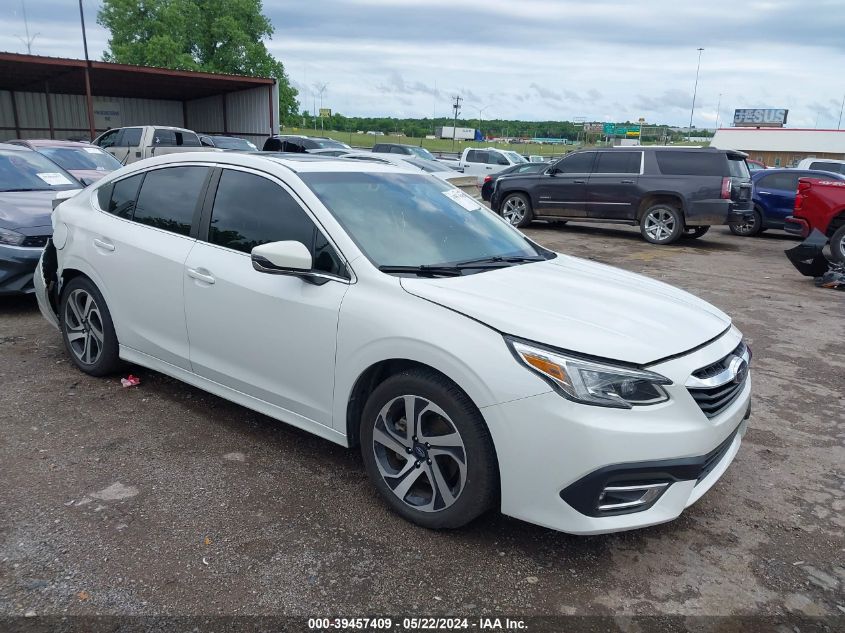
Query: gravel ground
(162, 499)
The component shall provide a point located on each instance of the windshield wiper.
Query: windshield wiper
(424, 271)
(498, 259)
(24, 189)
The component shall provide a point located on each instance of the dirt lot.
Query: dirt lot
(163, 499)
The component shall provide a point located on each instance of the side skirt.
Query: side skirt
(238, 397)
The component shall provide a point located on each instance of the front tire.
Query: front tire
(427, 450)
(662, 224)
(516, 209)
(87, 328)
(837, 244)
(749, 229)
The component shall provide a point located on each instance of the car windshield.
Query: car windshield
(24, 170)
(228, 142)
(515, 158)
(423, 153)
(330, 144)
(426, 165)
(415, 220)
(92, 158)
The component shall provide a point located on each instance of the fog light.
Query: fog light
(616, 497)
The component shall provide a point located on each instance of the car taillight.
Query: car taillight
(803, 187)
(726, 188)
(488, 178)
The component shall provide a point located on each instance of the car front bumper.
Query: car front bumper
(553, 452)
(17, 264)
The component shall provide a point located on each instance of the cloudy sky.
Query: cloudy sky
(604, 60)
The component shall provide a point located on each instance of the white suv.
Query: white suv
(385, 309)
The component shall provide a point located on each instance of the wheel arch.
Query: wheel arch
(369, 379)
(504, 194)
(660, 197)
(836, 221)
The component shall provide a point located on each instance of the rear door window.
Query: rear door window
(168, 198)
(738, 167)
(786, 182)
(692, 163)
(476, 156)
(187, 139)
(618, 162)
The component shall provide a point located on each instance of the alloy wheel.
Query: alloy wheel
(514, 210)
(419, 453)
(659, 225)
(84, 327)
(747, 228)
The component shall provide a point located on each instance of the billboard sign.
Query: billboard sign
(106, 114)
(325, 113)
(760, 117)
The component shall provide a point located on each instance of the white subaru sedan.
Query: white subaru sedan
(387, 310)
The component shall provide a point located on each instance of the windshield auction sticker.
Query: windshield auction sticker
(54, 179)
(458, 196)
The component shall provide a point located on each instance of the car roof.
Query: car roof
(10, 146)
(295, 162)
(49, 142)
(805, 173)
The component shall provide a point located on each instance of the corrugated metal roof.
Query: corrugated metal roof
(28, 73)
(780, 140)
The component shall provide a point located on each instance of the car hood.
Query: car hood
(22, 209)
(581, 306)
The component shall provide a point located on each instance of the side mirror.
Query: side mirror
(282, 258)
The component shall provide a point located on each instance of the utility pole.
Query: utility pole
(842, 107)
(718, 110)
(457, 108)
(88, 98)
(321, 88)
(694, 92)
(29, 39)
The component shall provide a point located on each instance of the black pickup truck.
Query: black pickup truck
(670, 192)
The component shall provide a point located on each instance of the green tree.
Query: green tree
(221, 36)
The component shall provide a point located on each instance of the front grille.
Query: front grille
(36, 241)
(713, 400)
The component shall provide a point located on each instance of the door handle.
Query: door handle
(201, 275)
(106, 246)
(579, 182)
(627, 182)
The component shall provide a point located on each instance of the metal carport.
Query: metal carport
(45, 97)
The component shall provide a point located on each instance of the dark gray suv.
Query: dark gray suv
(669, 192)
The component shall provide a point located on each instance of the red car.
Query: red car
(85, 162)
(820, 204)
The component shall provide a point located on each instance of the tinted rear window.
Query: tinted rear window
(169, 197)
(693, 164)
(131, 137)
(123, 196)
(838, 168)
(618, 162)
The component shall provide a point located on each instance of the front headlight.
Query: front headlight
(11, 238)
(593, 383)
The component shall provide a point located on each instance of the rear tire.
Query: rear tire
(694, 232)
(749, 229)
(662, 224)
(87, 328)
(516, 209)
(837, 244)
(439, 472)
